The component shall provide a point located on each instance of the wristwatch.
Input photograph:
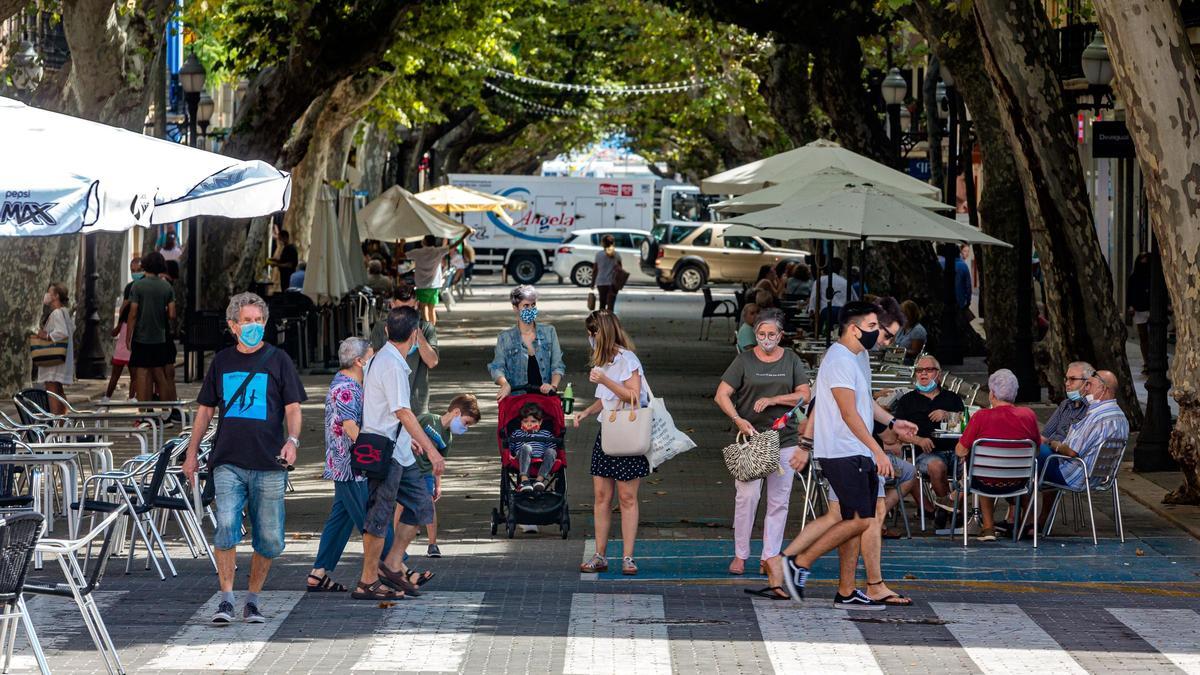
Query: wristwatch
(294, 441)
(891, 424)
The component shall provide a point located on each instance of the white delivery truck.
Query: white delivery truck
(555, 205)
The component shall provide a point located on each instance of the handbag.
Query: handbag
(620, 277)
(753, 458)
(46, 353)
(591, 301)
(371, 455)
(625, 432)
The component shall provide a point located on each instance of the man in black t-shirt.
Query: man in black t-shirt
(927, 407)
(258, 392)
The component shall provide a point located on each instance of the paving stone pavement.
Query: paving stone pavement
(521, 605)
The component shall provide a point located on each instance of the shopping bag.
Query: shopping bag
(666, 440)
(591, 301)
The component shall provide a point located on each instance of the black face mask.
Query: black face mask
(868, 338)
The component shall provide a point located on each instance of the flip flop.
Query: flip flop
(900, 600)
(770, 593)
(324, 585)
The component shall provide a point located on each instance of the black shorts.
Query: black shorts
(151, 354)
(855, 481)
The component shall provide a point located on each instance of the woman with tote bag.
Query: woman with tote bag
(619, 380)
(760, 391)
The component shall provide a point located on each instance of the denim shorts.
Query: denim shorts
(260, 493)
(381, 501)
(944, 456)
(415, 497)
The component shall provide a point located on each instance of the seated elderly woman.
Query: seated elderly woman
(745, 332)
(1002, 421)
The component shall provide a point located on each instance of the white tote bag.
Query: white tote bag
(666, 440)
(625, 431)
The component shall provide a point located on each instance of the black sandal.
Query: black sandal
(324, 585)
(375, 591)
(900, 600)
(422, 577)
(770, 593)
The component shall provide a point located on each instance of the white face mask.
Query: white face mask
(1090, 398)
(46, 299)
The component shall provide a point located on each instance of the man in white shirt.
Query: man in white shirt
(387, 413)
(428, 261)
(835, 293)
(852, 461)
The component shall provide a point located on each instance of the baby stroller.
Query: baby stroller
(531, 508)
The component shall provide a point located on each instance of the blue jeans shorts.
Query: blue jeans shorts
(260, 493)
(944, 456)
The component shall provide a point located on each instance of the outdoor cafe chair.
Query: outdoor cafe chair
(18, 535)
(1002, 460)
(1100, 477)
(33, 406)
(716, 309)
(80, 582)
(971, 395)
(128, 489)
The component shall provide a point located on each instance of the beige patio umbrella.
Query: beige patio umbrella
(814, 186)
(328, 275)
(398, 215)
(862, 213)
(456, 199)
(807, 160)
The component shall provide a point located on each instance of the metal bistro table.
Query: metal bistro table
(100, 451)
(68, 462)
(182, 407)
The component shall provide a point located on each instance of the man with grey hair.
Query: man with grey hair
(1073, 407)
(258, 392)
(1002, 421)
(927, 406)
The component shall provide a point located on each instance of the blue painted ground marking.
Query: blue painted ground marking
(1061, 559)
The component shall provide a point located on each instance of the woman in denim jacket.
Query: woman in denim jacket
(528, 354)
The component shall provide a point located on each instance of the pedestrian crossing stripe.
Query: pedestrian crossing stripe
(632, 633)
(430, 634)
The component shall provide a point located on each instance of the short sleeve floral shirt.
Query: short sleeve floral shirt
(344, 402)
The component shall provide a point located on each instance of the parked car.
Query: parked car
(575, 258)
(689, 256)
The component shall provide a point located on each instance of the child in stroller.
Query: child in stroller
(531, 506)
(534, 447)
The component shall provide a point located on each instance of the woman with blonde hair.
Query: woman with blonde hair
(619, 377)
(606, 264)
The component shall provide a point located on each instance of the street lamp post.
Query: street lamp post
(894, 88)
(191, 79)
(949, 340)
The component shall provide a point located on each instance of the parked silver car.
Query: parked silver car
(575, 258)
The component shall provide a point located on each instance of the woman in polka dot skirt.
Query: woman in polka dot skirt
(618, 376)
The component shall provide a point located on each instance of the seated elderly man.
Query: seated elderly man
(1001, 421)
(1104, 421)
(380, 284)
(1073, 407)
(927, 406)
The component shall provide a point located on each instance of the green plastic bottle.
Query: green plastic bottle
(568, 396)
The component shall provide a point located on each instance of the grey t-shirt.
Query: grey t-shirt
(419, 380)
(605, 267)
(753, 379)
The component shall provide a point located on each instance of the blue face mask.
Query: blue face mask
(412, 350)
(138, 275)
(251, 334)
(529, 314)
(458, 427)
(1074, 395)
(926, 388)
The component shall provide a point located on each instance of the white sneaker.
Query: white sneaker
(104, 399)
